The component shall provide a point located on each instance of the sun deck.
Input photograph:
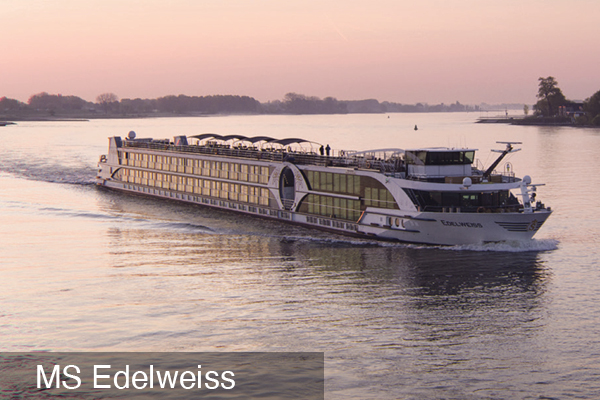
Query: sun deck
(300, 157)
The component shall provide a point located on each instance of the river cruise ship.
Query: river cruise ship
(432, 196)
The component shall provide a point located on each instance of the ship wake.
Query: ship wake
(533, 245)
(78, 173)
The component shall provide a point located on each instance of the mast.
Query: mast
(509, 149)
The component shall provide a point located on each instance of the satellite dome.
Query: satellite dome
(131, 135)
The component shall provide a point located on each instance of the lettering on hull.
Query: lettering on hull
(462, 224)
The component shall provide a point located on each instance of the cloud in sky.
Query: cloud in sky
(404, 51)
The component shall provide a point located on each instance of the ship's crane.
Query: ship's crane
(509, 149)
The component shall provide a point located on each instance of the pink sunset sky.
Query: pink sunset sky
(403, 51)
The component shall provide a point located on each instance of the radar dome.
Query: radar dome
(131, 135)
(527, 179)
(467, 182)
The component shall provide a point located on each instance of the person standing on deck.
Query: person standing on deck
(327, 150)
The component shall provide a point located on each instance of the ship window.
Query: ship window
(329, 210)
(469, 157)
(440, 157)
(351, 184)
(357, 183)
(468, 202)
(264, 175)
(451, 199)
(368, 196)
(316, 184)
(329, 181)
(336, 183)
(342, 211)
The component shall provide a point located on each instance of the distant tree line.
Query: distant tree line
(109, 105)
(294, 103)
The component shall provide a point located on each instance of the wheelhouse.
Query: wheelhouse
(436, 164)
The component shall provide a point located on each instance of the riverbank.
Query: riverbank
(533, 121)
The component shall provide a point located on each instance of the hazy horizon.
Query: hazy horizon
(398, 51)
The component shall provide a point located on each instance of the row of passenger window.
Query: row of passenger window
(206, 187)
(370, 189)
(332, 182)
(379, 197)
(333, 207)
(208, 168)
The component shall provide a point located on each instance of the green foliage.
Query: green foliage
(592, 106)
(53, 102)
(108, 101)
(7, 104)
(550, 97)
(295, 103)
(582, 121)
(207, 104)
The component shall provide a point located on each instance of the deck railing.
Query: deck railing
(386, 166)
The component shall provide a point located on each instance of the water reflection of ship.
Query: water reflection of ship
(434, 270)
(415, 298)
(418, 271)
(418, 277)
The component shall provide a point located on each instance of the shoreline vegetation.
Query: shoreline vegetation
(552, 108)
(56, 107)
(531, 120)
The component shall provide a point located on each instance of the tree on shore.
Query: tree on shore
(105, 100)
(550, 97)
(56, 102)
(592, 107)
(7, 104)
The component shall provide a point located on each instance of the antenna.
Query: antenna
(509, 149)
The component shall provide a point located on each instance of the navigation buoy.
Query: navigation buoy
(416, 129)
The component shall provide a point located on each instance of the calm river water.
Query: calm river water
(84, 269)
